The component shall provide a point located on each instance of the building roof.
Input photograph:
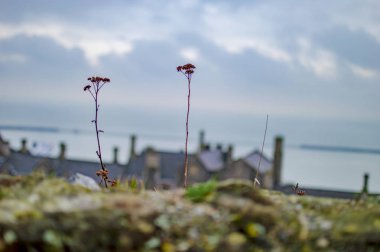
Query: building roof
(212, 160)
(253, 160)
(170, 163)
(135, 166)
(23, 164)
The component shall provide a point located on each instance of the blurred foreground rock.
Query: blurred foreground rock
(40, 213)
(85, 181)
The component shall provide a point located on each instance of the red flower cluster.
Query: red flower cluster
(113, 182)
(86, 87)
(97, 83)
(187, 69)
(98, 79)
(102, 173)
(298, 191)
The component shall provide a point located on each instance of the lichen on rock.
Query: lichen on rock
(44, 213)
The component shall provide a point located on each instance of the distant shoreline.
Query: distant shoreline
(339, 149)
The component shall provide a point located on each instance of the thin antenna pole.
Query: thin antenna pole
(262, 149)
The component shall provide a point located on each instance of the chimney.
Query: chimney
(152, 159)
(206, 147)
(365, 184)
(132, 153)
(219, 147)
(4, 148)
(62, 151)
(229, 153)
(24, 148)
(201, 140)
(115, 154)
(277, 161)
(152, 168)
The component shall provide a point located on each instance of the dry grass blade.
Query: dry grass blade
(256, 181)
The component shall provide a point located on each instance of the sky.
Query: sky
(312, 66)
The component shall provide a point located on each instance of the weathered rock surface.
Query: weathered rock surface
(40, 213)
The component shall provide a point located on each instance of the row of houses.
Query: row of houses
(157, 168)
(165, 169)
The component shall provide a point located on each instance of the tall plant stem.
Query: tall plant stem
(187, 70)
(262, 149)
(99, 152)
(187, 132)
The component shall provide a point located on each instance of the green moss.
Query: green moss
(42, 213)
(202, 191)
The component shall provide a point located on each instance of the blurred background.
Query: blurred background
(313, 67)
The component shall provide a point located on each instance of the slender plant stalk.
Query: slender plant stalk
(97, 84)
(187, 70)
(262, 149)
(187, 132)
(99, 151)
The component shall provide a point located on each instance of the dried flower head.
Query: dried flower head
(86, 87)
(301, 192)
(102, 173)
(188, 66)
(187, 69)
(97, 79)
(113, 182)
(298, 191)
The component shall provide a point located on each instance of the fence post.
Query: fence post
(277, 161)
(365, 184)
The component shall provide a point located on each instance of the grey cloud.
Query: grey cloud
(268, 66)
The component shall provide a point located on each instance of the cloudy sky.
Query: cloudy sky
(300, 61)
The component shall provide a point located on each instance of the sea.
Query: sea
(323, 153)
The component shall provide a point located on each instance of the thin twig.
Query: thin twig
(262, 150)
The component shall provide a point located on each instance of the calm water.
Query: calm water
(332, 169)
